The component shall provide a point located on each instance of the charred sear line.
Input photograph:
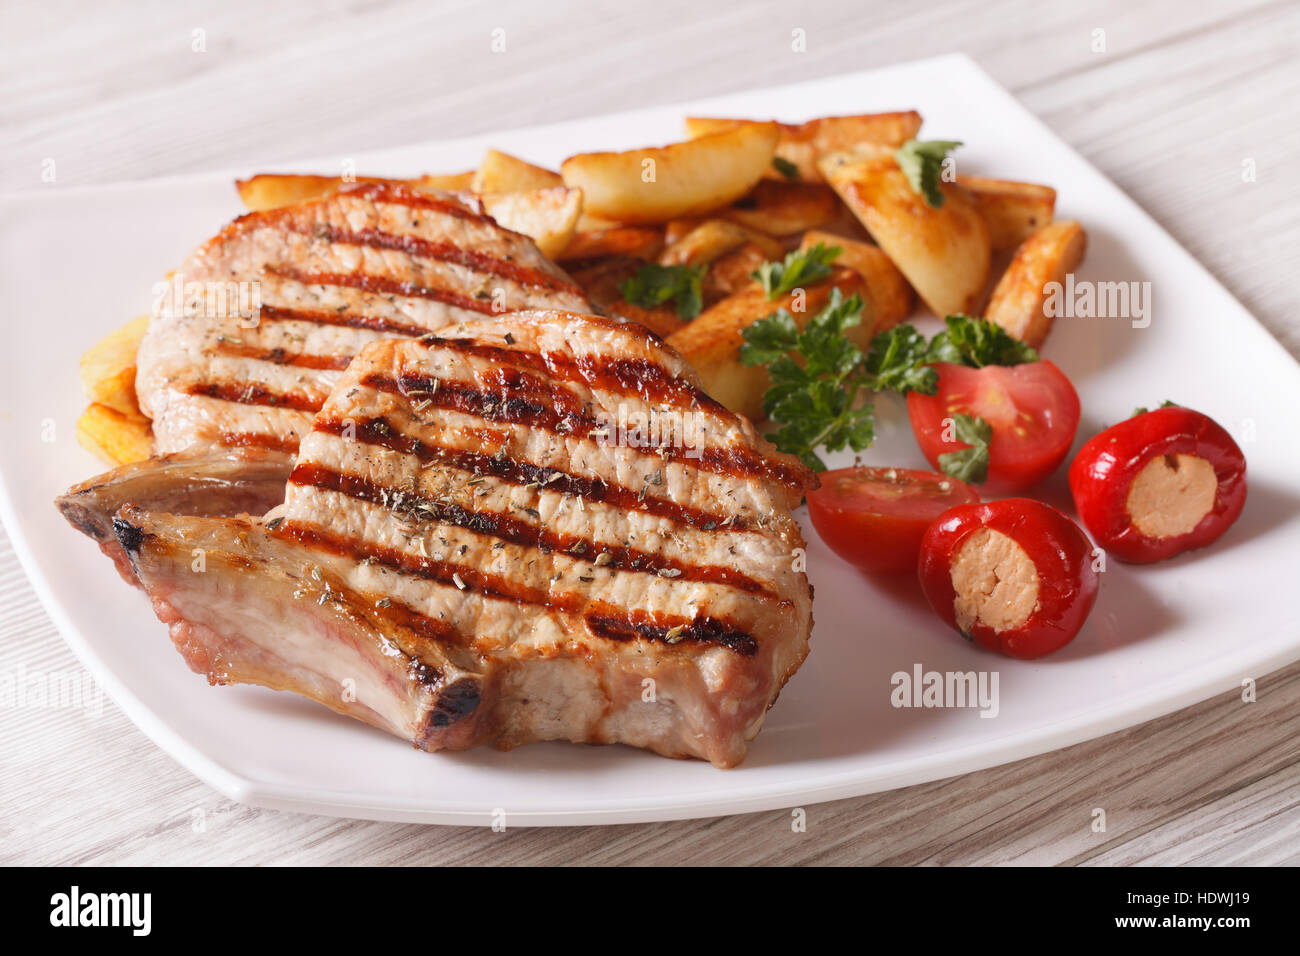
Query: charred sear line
(407, 504)
(651, 382)
(617, 623)
(410, 198)
(384, 285)
(279, 356)
(384, 434)
(374, 323)
(455, 702)
(441, 252)
(505, 405)
(554, 410)
(285, 443)
(128, 535)
(247, 394)
(701, 631)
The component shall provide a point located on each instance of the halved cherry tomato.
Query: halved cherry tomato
(1033, 409)
(1158, 484)
(1014, 576)
(875, 517)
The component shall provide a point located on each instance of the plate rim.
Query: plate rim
(1184, 689)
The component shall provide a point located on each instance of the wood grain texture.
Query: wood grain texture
(1182, 97)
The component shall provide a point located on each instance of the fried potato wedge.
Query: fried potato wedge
(116, 438)
(1012, 211)
(273, 190)
(108, 367)
(732, 272)
(944, 253)
(711, 343)
(713, 239)
(801, 144)
(639, 242)
(503, 173)
(784, 208)
(655, 185)
(548, 216)
(1019, 300)
(891, 296)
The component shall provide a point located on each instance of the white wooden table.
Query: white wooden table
(1182, 96)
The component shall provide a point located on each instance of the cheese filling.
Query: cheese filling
(1171, 495)
(995, 580)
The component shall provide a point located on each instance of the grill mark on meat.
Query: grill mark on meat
(374, 323)
(707, 630)
(440, 251)
(497, 525)
(259, 440)
(547, 411)
(400, 195)
(603, 619)
(281, 356)
(383, 434)
(642, 377)
(255, 395)
(403, 615)
(384, 286)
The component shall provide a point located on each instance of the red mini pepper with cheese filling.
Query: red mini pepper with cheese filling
(1014, 576)
(1158, 484)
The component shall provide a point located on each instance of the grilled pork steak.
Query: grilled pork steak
(530, 527)
(267, 314)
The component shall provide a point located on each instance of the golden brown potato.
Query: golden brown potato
(548, 216)
(451, 182)
(273, 190)
(784, 208)
(1013, 211)
(891, 296)
(503, 173)
(640, 242)
(116, 438)
(714, 238)
(1018, 300)
(108, 367)
(943, 252)
(711, 343)
(733, 272)
(802, 144)
(654, 185)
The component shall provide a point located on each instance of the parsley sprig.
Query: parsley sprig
(977, 343)
(653, 285)
(970, 464)
(815, 402)
(800, 268)
(922, 163)
(818, 375)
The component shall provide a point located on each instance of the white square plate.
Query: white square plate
(75, 263)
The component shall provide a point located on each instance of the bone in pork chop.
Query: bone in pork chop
(287, 296)
(473, 544)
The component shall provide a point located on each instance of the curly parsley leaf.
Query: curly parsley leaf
(653, 285)
(814, 400)
(977, 343)
(922, 163)
(896, 361)
(800, 268)
(971, 464)
(786, 168)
